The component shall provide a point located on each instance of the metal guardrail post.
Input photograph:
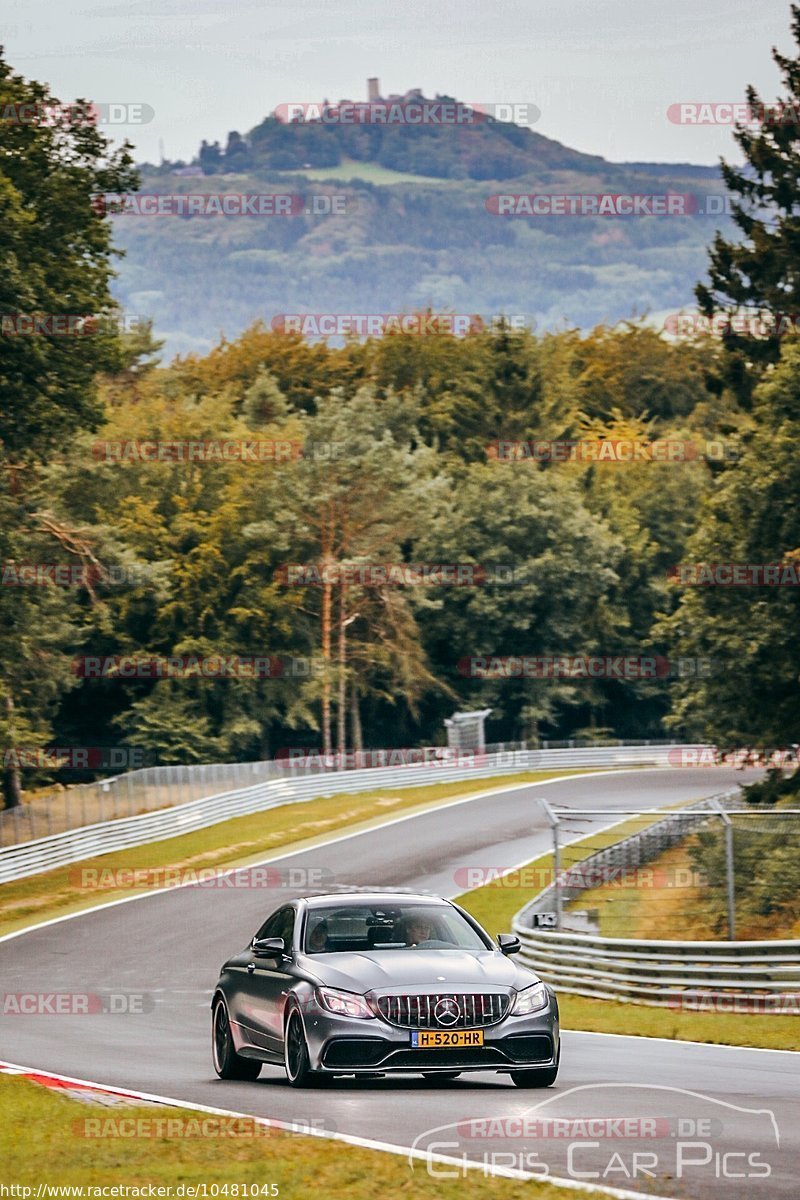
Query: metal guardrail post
(729, 880)
(554, 824)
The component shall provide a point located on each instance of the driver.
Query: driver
(418, 929)
(318, 938)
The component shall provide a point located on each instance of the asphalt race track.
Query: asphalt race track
(729, 1118)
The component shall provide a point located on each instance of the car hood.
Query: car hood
(422, 970)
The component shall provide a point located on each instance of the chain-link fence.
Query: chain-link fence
(126, 796)
(153, 788)
(716, 869)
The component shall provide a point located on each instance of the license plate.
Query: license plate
(429, 1039)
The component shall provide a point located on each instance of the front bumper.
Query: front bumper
(353, 1046)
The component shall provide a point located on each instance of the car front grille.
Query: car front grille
(471, 1010)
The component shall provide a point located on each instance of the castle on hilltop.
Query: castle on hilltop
(374, 93)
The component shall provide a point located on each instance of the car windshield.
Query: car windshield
(341, 928)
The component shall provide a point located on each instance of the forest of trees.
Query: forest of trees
(399, 465)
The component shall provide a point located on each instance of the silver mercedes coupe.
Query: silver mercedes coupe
(380, 984)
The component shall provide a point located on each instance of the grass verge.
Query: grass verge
(42, 1141)
(769, 1031)
(238, 842)
(496, 904)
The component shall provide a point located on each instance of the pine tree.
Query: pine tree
(759, 274)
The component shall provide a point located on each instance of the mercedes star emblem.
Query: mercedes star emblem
(447, 1011)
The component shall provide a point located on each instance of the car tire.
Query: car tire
(295, 1054)
(227, 1063)
(538, 1078)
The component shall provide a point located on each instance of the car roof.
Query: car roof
(358, 899)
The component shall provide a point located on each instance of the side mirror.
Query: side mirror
(509, 943)
(268, 947)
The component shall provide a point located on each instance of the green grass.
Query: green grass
(238, 842)
(42, 1140)
(496, 904)
(771, 1031)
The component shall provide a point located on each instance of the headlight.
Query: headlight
(530, 1000)
(344, 1004)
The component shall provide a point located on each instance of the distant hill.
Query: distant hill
(415, 232)
(438, 137)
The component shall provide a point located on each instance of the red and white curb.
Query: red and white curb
(75, 1089)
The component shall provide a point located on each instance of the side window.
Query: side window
(287, 927)
(280, 924)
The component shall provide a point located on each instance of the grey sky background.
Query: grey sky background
(603, 72)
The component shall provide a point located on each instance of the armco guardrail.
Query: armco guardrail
(148, 789)
(724, 975)
(666, 974)
(42, 854)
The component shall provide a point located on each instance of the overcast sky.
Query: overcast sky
(603, 72)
